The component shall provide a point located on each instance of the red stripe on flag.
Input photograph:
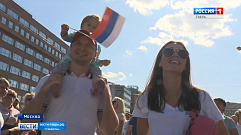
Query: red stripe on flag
(101, 27)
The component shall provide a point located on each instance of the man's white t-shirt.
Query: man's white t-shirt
(173, 121)
(75, 106)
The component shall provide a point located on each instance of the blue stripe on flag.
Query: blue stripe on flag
(109, 28)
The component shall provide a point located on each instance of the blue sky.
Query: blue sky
(215, 62)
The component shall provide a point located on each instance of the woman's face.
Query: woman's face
(3, 89)
(29, 99)
(173, 58)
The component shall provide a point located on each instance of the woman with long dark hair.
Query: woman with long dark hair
(169, 96)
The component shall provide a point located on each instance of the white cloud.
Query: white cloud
(128, 52)
(114, 77)
(202, 31)
(130, 75)
(144, 7)
(142, 47)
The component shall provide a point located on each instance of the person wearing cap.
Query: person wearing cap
(76, 104)
(229, 123)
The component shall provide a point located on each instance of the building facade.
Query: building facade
(231, 108)
(28, 51)
(134, 95)
(122, 92)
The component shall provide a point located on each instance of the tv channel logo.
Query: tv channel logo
(28, 126)
(52, 125)
(208, 13)
(30, 116)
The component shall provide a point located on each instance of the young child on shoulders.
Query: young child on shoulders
(89, 23)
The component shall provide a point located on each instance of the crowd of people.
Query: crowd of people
(77, 94)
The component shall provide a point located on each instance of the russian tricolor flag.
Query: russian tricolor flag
(109, 28)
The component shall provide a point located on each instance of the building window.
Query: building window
(63, 50)
(20, 98)
(37, 41)
(13, 83)
(57, 54)
(4, 20)
(32, 38)
(35, 78)
(60, 56)
(7, 39)
(15, 70)
(46, 47)
(24, 86)
(34, 29)
(39, 56)
(10, 25)
(51, 41)
(41, 44)
(49, 49)
(12, 14)
(30, 51)
(42, 35)
(53, 51)
(32, 89)
(57, 45)
(5, 52)
(19, 46)
(22, 32)
(45, 71)
(48, 61)
(28, 63)
(16, 28)
(52, 64)
(37, 67)
(2, 7)
(17, 58)
(27, 35)
(4, 66)
(26, 74)
(24, 22)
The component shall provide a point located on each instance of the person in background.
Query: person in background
(132, 126)
(10, 114)
(237, 120)
(126, 123)
(4, 86)
(76, 105)
(16, 104)
(119, 106)
(221, 104)
(164, 106)
(28, 98)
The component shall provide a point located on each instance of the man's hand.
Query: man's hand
(99, 84)
(64, 30)
(104, 62)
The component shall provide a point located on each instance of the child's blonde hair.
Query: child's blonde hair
(88, 17)
(26, 96)
(237, 113)
(121, 105)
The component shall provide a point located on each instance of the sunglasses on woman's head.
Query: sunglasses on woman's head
(113, 102)
(168, 52)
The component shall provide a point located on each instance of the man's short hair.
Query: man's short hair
(220, 101)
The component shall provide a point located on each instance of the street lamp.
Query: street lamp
(239, 48)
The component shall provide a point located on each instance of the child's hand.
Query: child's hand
(104, 62)
(64, 29)
(99, 84)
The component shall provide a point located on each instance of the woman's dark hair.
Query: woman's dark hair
(156, 94)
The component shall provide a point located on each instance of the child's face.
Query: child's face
(90, 25)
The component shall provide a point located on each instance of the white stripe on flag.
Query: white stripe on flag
(116, 31)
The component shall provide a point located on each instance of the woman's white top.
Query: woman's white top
(174, 121)
(239, 128)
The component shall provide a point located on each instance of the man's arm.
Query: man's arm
(107, 119)
(233, 131)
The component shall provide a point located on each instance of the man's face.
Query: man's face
(220, 106)
(82, 50)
